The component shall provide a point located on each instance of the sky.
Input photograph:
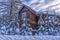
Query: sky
(38, 5)
(4, 0)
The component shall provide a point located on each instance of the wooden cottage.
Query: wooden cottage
(27, 16)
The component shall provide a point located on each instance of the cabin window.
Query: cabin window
(24, 16)
(25, 19)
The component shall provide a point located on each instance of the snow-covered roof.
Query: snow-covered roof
(38, 5)
(34, 12)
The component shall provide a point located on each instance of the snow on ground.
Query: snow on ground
(18, 37)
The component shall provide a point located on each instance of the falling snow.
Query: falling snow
(9, 20)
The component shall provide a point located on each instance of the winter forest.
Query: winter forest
(47, 12)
